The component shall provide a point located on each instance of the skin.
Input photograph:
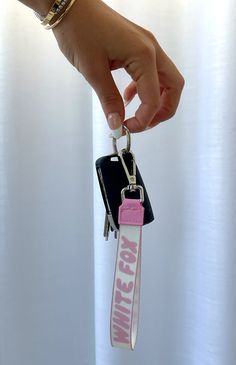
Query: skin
(97, 40)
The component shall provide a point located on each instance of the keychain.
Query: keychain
(113, 178)
(127, 209)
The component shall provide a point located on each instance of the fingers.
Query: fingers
(170, 83)
(130, 92)
(144, 74)
(157, 82)
(169, 102)
(100, 78)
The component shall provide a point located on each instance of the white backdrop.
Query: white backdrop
(56, 270)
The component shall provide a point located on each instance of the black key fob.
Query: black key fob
(112, 179)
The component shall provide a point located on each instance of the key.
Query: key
(106, 227)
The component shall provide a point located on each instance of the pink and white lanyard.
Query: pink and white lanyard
(124, 214)
(126, 287)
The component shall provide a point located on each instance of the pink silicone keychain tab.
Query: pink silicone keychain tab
(131, 212)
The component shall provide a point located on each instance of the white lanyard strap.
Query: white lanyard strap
(126, 287)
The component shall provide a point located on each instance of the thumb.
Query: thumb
(101, 79)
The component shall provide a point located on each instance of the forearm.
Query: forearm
(40, 6)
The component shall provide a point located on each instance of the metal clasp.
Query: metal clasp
(134, 188)
(128, 137)
(130, 176)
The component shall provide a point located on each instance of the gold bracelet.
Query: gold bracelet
(61, 17)
(55, 9)
(51, 13)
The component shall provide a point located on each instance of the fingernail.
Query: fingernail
(115, 123)
(114, 120)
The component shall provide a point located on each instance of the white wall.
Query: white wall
(46, 199)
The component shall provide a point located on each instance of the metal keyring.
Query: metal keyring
(128, 145)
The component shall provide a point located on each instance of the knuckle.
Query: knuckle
(151, 36)
(180, 82)
(147, 34)
(147, 50)
(142, 128)
(166, 113)
(170, 113)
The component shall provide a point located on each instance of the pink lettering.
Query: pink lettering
(128, 257)
(122, 309)
(127, 288)
(129, 244)
(125, 268)
(120, 334)
(119, 298)
(121, 319)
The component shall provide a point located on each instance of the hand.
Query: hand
(96, 40)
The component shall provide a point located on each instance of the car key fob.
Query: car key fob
(112, 179)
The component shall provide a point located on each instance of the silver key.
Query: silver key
(107, 226)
